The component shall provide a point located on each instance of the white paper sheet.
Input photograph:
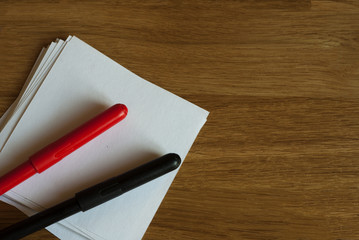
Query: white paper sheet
(38, 73)
(81, 83)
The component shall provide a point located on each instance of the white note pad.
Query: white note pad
(81, 83)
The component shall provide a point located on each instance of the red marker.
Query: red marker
(59, 149)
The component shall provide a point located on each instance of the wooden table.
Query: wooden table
(279, 155)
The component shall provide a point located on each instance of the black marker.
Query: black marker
(93, 196)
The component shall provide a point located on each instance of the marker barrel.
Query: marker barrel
(16, 176)
(40, 220)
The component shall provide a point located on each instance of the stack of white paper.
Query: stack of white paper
(70, 83)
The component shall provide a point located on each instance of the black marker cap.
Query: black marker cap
(116, 186)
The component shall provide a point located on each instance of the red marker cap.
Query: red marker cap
(59, 149)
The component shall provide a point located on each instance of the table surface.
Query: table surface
(278, 157)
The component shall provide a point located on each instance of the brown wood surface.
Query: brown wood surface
(279, 155)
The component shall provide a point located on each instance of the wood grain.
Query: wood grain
(278, 157)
